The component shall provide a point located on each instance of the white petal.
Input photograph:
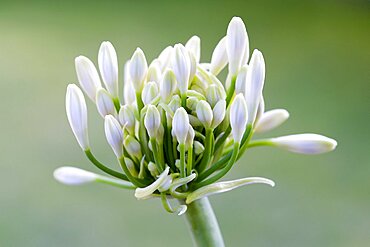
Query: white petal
(180, 63)
(104, 103)
(236, 43)
(74, 176)
(193, 45)
(108, 66)
(221, 187)
(87, 76)
(255, 82)
(219, 112)
(204, 113)
(180, 125)
(138, 69)
(152, 121)
(141, 193)
(219, 57)
(305, 143)
(271, 119)
(77, 115)
(238, 117)
(114, 135)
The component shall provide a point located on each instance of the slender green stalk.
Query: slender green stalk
(224, 170)
(207, 151)
(230, 92)
(182, 160)
(203, 224)
(157, 159)
(189, 165)
(139, 102)
(102, 167)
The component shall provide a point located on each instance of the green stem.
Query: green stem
(136, 181)
(139, 101)
(182, 160)
(203, 224)
(231, 91)
(207, 151)
(157, 159)
(102, 167)
(117, 104)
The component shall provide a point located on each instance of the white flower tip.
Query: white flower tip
(238, 117)
(180, 125)
(305, 143)
(73, 176)
(271, 119)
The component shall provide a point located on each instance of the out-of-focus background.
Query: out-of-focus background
(317, 58)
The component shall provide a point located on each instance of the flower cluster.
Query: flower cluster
(179, 129)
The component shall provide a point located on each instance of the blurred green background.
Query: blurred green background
(317, 57)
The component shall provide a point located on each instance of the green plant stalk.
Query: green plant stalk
(207, 150)
(104, 168)
(203, 224)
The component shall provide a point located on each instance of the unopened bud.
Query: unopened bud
(127, 118)
(150, 92)
(87, 76)
(108, 66)
(132, 146)
(219, 57)
(114, 134)
(104, 103)
(181, 67)
(152, 121)
(193, 45)
(238, 117)
(138, 69)
(167, 85)
(180, 125)
(204, 113)
(271, 119)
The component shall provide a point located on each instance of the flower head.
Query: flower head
(180, 128)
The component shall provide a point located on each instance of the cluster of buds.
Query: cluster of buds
(179, 129)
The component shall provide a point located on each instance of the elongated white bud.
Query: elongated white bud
(168, 85)
(219, 57)
(138, 69)
(74, 176)
(165, 57)
(128, 89)
(104, 103)
(198, 148)
(152, 121)
(77, 115)
(131, 167)
(132, 146)
(305, 143)
(181, 67)
(271, 119)
(127, 118)
(114, 135)
(87, 76)
(108, 66)
(214, 94)
(193, 45)
(154, 71)
(236, 43)
(241, 80)
(238, 117)
(254, 86)
(180, 125)
(219, 112)
(149, 93)
(204, 113)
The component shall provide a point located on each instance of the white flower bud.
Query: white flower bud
(74, 176)
(132, 146)
(108, 66)
(138, 69)
(190, 137)
(236, 44)
(167, 85)
(193, 45)
(114, 134)
(128, 88)
(77, 115)
(271, 119)
(238, 117)
(152, 167)
(87, 76)
(198, 148)
(254, 86)
(152, 121)
(305, 143)
(174, 104)
(219, 57)
(127, 118)
(241, 80)
(214, 94)
(204, 113)
(193, 66)
(154, 71)
(165, 57)
(180, 125)
(149, 93)
(181, 67)
(104, 103)
(219, 112)
(192, 102)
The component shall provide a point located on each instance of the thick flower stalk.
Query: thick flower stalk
(179, 129)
